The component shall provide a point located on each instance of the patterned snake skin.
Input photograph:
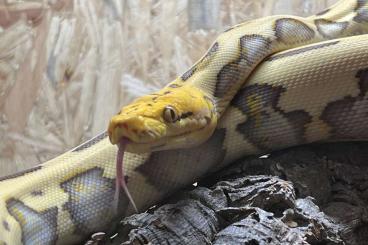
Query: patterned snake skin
(317, 92)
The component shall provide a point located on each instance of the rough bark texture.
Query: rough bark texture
(306, 195)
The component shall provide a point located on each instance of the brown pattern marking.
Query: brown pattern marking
(267, 125)
(362, 11)
(182, 116)
(29, 218)
(253, 48)
(174, 85)
(330, 29)
(292, 31)
(6, 225)
(21, 173)
(348, 116)
(360, 4)
(91, 142)
(212, 50)
(323, 12)
(188, 73)
(191, 71)
(227, 77)
(160, 163)
(300, 50)
(154, 97)
(185, 115)
(363, 81)
(37, 193)
(90, 201)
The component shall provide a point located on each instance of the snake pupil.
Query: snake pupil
(169, 114)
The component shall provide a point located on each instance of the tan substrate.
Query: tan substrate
(67, 66)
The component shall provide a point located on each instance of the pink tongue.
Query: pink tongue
(120, 179)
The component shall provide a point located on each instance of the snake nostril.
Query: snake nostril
(123, 125)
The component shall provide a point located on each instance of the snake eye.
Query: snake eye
(169, 114)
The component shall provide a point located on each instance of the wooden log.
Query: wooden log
(304, 195)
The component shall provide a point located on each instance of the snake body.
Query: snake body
(317, 92)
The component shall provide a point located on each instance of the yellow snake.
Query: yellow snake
(224, 107)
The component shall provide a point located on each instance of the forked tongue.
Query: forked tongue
(120, 177)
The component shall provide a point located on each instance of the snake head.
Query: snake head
(169, 119)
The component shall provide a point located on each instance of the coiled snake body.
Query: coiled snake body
(208, 117)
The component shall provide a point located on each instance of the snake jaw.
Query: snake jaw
(169, 119)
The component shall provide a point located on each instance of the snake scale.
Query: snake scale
(226, 106)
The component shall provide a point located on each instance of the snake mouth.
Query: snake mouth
(148, 134)
(138, 130)
(135, 144)
(169, 142)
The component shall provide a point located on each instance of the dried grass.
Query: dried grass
(67, 66)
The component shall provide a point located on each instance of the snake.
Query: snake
(265, 84)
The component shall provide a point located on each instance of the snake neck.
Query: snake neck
(236, 53)
(344, 10)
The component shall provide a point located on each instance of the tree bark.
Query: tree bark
(305, 195)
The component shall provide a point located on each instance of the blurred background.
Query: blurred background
(67, 66)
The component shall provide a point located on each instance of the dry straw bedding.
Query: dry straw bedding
(67, 66)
